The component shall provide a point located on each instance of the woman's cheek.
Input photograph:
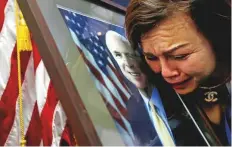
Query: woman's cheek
(154, 65)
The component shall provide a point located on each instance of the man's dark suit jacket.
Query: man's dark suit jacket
(183, 129)
(141, 124)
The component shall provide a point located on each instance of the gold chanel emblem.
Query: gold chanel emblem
(211, 96)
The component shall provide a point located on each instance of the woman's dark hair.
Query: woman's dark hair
(212, 18)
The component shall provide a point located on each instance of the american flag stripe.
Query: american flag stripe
(122, 95)
(36, 56)
(98, 76)
(2, 16)
(111, 86)
(66, 133)
(7, 44)
(46, 116)
(11, 124)
(10, 95)
(28, 103)
(114, 103)
(90, 58)
(121, 121)
(101, 88)
(118, 78)
(115, 114)
(104, 79)
(35, 81)
(59, 119)
(34, 139)
(42, 83)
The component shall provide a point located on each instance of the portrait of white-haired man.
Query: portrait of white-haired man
(149, 130)
(129, 63)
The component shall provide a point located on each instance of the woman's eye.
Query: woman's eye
(151, 57)
(179, 57)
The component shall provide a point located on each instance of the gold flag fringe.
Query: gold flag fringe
(23, 44)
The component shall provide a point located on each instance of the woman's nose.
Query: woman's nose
(168, 70)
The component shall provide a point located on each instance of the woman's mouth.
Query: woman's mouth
(181, 85)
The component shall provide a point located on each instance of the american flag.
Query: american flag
(89, 36)
(44, 118)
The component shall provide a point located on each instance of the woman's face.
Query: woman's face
(177, 50)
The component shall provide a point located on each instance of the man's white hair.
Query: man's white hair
(114, 39)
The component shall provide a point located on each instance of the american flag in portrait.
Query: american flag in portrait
(89, 36)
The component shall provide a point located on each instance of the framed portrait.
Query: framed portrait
(106, 90)
(92, 95)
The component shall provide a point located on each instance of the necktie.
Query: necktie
(161, 128)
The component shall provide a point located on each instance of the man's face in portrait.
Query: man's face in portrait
(128, 61)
